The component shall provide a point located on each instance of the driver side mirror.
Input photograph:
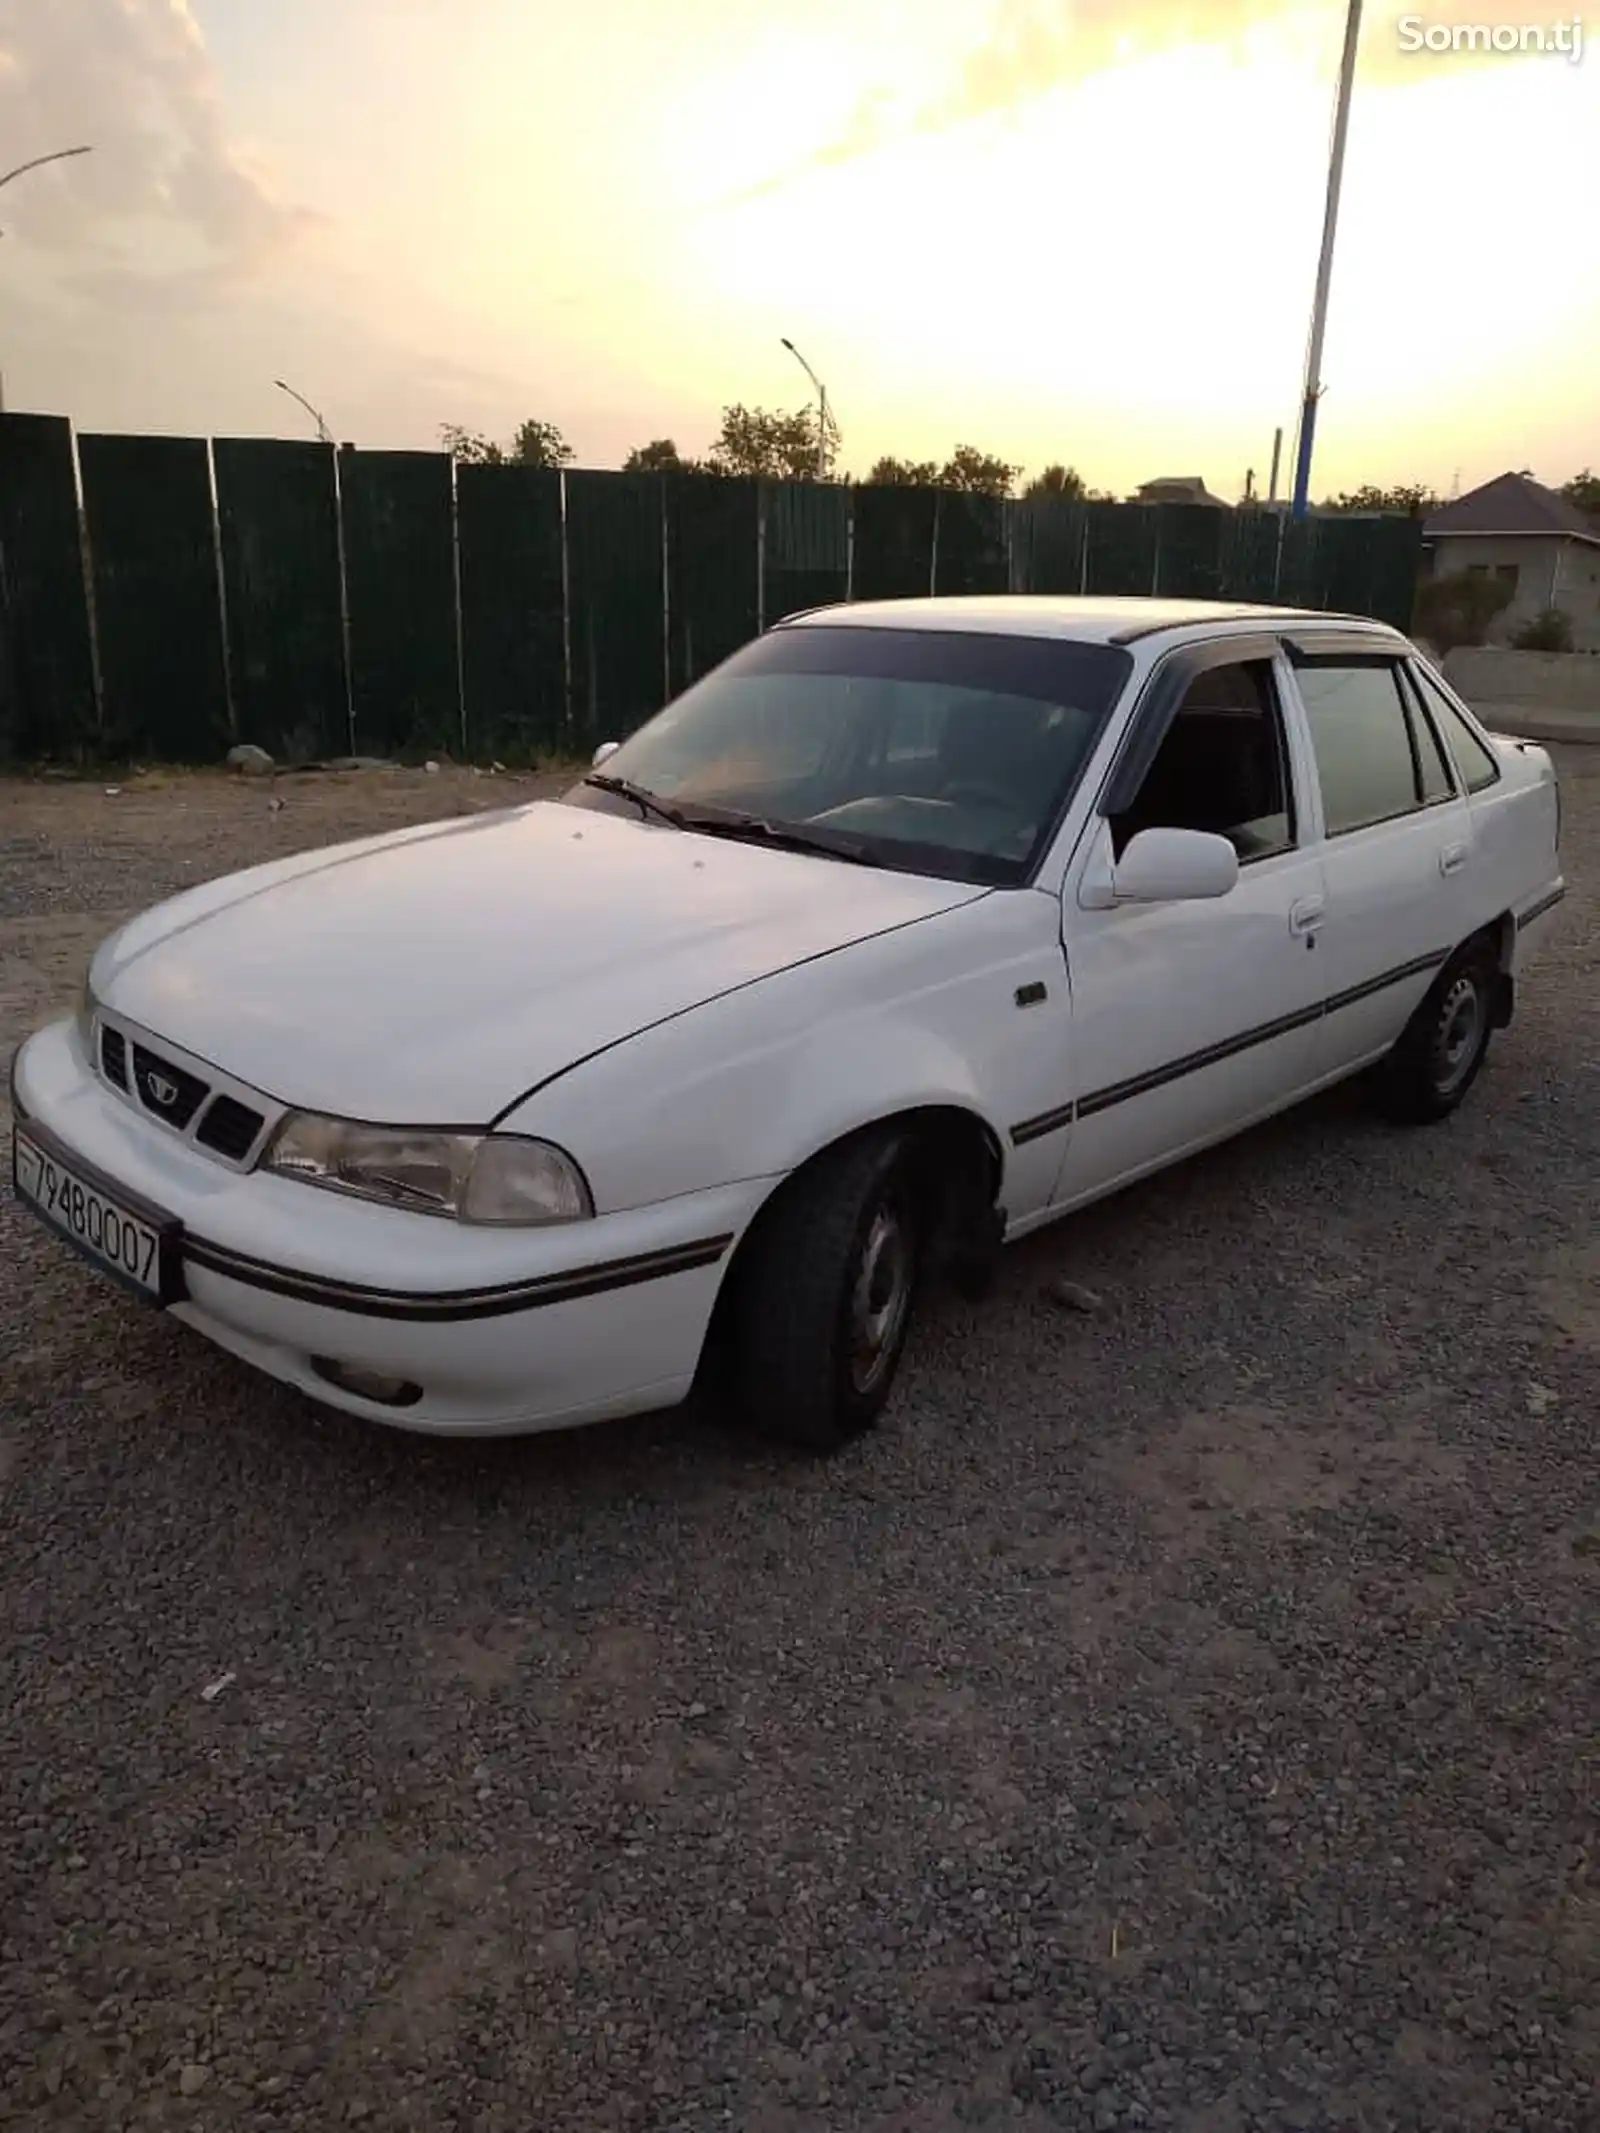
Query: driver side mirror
(1172, 866)
(604, 753)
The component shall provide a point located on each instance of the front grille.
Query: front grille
(230, 1128)
(168, 1092)
(114, 1057)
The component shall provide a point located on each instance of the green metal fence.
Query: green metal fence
(163, 598)
(713, 572)
(616, 635)
(397, 512)
(47, 692)
(152, 537)
(895, 531)
(970, 554)
(511, 555)
(278, 514)
(805, 548)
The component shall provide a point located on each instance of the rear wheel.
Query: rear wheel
(825, 1291)
(1443, 1047)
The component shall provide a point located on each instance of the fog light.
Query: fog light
(367, 1384)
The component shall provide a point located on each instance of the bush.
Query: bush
(1459, 608)
(1549, 631)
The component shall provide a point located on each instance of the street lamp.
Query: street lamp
(56, 155)
(822, 409)
(324, 434)
(1319, 303)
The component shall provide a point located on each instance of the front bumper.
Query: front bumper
(502, 1330)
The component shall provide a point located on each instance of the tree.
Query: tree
(470, 448)
(1058, 481)
(661, 456)
(536, 444)
(771, 444)
(1411, 498)
(905, 474)
(1584, 491)
(1458, 608)
(978, 473)
(540, 444)
(1549, 631)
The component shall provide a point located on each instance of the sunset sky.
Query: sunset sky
(1081, 230)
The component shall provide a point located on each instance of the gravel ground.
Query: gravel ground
(1179, 1715)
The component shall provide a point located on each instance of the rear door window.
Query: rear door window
(1365, 748)
(1378, 754)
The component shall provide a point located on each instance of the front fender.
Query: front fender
(750, 1085)
(660, 1117)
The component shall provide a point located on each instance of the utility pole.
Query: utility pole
(1277, 454)
(56, 155)
(1330, 222)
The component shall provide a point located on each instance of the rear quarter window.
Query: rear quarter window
(1473, 758)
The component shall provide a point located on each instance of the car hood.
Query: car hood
(436, 974)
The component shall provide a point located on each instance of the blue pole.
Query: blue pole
(1302, 460)
(1330, 224)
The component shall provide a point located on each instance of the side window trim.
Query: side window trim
(1412, 742)
(1356, 829)
(1278, 725)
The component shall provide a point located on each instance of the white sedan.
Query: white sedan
(913, 927)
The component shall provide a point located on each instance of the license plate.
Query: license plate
(111, 1228)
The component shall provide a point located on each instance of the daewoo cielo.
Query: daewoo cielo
(911, 928)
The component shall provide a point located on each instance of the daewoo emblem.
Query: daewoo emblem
(162, 1091)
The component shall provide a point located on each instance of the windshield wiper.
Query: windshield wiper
(782, 836)
(645, 802)
(747, 829)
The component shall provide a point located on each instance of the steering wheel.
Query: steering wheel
(971, 789)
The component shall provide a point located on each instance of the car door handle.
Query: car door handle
(1306, 915)
(1452, 859)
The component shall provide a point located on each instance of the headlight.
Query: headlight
(495, 1178)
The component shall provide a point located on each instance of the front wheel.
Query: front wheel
(825, 1294)
(1443, 1046)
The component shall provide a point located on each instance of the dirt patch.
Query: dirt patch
(1256, 1463)
(1569, 1293)
(485, 1659)
(453, 1928)
(620, 1658)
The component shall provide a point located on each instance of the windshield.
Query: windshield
(934, 751)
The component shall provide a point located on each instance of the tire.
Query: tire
(1442, 1049)
(826, 1289)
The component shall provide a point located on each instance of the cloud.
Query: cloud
(1032, 47)
(134, 78)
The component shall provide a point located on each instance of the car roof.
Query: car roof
(1086, 621)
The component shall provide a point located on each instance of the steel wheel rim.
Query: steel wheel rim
(880, 1297)
(1459, 1034)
